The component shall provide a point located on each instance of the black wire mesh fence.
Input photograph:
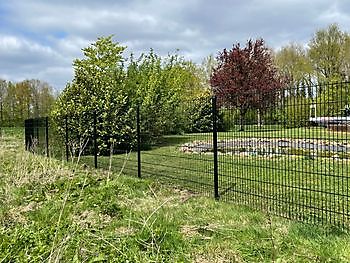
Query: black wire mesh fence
(36, 135)
(289, 157)
(178, 156)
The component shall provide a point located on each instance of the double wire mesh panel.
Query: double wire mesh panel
(292, 158)
(176, 144)
(95, 140)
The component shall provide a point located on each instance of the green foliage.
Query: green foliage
(164, 88)
(332, 99)
(328, 52)
(161, 87)
(320, 68)
(327, 58)
(294, 64)
(23, 100)
(98, 88)
(199, 115)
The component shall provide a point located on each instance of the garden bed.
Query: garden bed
(269, 146)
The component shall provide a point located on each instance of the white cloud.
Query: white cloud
(40, 38)
(71, 46)
(22, 58)
(9, 43)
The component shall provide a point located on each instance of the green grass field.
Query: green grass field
(53, 211)
(295, 184)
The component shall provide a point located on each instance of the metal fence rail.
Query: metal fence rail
(290, 159)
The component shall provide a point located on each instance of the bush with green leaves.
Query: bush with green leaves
(333, 98)
(164, 88)
(199, 115)
(98, 88)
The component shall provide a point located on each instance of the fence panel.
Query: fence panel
(174, 145)
(288, 161)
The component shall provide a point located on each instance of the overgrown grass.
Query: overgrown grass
(52, 211)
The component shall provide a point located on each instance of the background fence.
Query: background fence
(290, 159)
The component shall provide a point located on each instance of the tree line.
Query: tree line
(23, 100)
(316, 74)
(174, 94)
(253, 81)
(280, 87)
(325, 58)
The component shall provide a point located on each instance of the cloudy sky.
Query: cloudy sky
(40, 38)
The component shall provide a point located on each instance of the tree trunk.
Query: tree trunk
(1, 113)
(259, 118)
(241, 120)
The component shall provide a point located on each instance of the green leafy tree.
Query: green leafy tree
(346, 64)
(42, 98)
(164, 88)
(205, 70)
(22, 100)
(330, 55)
(10, 102)
(327, 51)
(296, 111)
(23, 95)
(294, 64)
(98, 87)
(3, 90)
(334, 97)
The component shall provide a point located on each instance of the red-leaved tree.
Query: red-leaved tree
(246, 78)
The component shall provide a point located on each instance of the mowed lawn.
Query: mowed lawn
(53, 211)
(309, 186)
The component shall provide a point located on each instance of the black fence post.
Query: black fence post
(95, 139)
(215, 148)
(138, 141)
(66, 139)
(36, 134)
(26, 134)
(47, 135)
